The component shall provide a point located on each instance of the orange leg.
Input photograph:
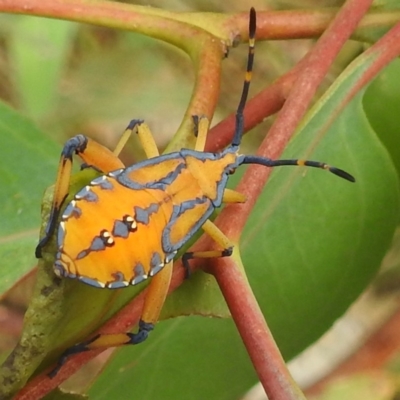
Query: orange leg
(154, 300)
(230, 196)
(201, 125)
(218, 236)
(93, 154)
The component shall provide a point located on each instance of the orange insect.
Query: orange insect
(128, 224)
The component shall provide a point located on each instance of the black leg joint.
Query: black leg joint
(227, 252)
(133, 123)
(78, 348)
(86, 166)
(50, 227)
(195, 119)
(77, 144)
(39, 247)
(185, 262)
(144, 329)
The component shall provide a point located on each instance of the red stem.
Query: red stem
(253, 329)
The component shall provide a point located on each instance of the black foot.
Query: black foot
(133, 123)
(142, 334)
(227, 252)
(78, 348)
(185, 262)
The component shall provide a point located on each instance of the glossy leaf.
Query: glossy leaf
(381, 103)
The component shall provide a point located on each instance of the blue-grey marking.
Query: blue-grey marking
(71, 211)
(156, 264)
(86, 194)
(139, 274)
(177, 212)
(103, 182)
(91, 282)
(83, 254)
(160, 184)
(119, 281)
(169, 257)
(124, 227)
(168, 179)
(97, 244)
(120, 229)
(117, 284)
(61, 235)
(142, 215)
(115, 173)
(58, 267)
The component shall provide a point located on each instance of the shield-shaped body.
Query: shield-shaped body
(125, 226)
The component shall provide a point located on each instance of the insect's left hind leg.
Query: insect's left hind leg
(154, 300)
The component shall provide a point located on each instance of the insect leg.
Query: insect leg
(145, 136)
(231, 196)
(92, 154)
(218, 236)
(154, 300)
(201, 125)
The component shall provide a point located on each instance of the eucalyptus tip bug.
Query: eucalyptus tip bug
(128, 224)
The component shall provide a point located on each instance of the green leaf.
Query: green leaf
(325, 237)
(386, 4)
(187, 357)
(61, 395)
(200, 295)
(28, 163)
(38, 52)
(381, 103)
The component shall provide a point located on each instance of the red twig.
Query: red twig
(256, 336)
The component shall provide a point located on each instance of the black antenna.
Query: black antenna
(237, 137)
(307, 163)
